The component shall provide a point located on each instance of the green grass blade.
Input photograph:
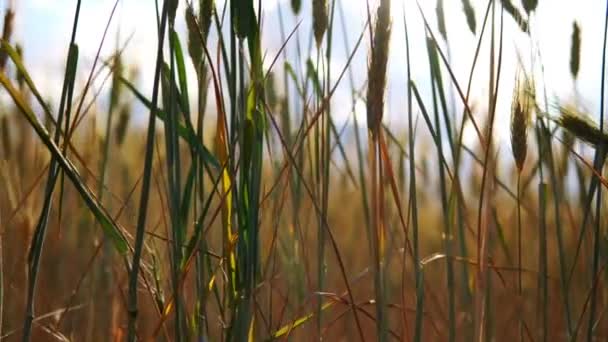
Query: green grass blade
(14, 56)
(186, 133)
(110, 227)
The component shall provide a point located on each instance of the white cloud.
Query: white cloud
(45, 25)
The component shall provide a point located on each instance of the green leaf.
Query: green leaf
(286, 329)
(312, 74)
(187, 134)
(181, 74)
(292, 74)
(110, 228)
(14, 56)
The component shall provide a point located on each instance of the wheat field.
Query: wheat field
(249, 193)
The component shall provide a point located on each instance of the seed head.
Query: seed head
(319, 19)
(582, 127)
(575, 50)
(521, 111)
(377, 67)
(296, 5)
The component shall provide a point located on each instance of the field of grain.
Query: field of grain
(244, 202)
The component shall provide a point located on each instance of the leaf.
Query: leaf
(181, 74)
(110, 228)
(286, 329)
(14, 56)
(312, 74)
(187, 134)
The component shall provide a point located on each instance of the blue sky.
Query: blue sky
(43, 27)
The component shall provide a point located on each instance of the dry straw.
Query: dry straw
(377, 67)
(319, 19)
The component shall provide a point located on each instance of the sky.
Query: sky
(43, 27)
